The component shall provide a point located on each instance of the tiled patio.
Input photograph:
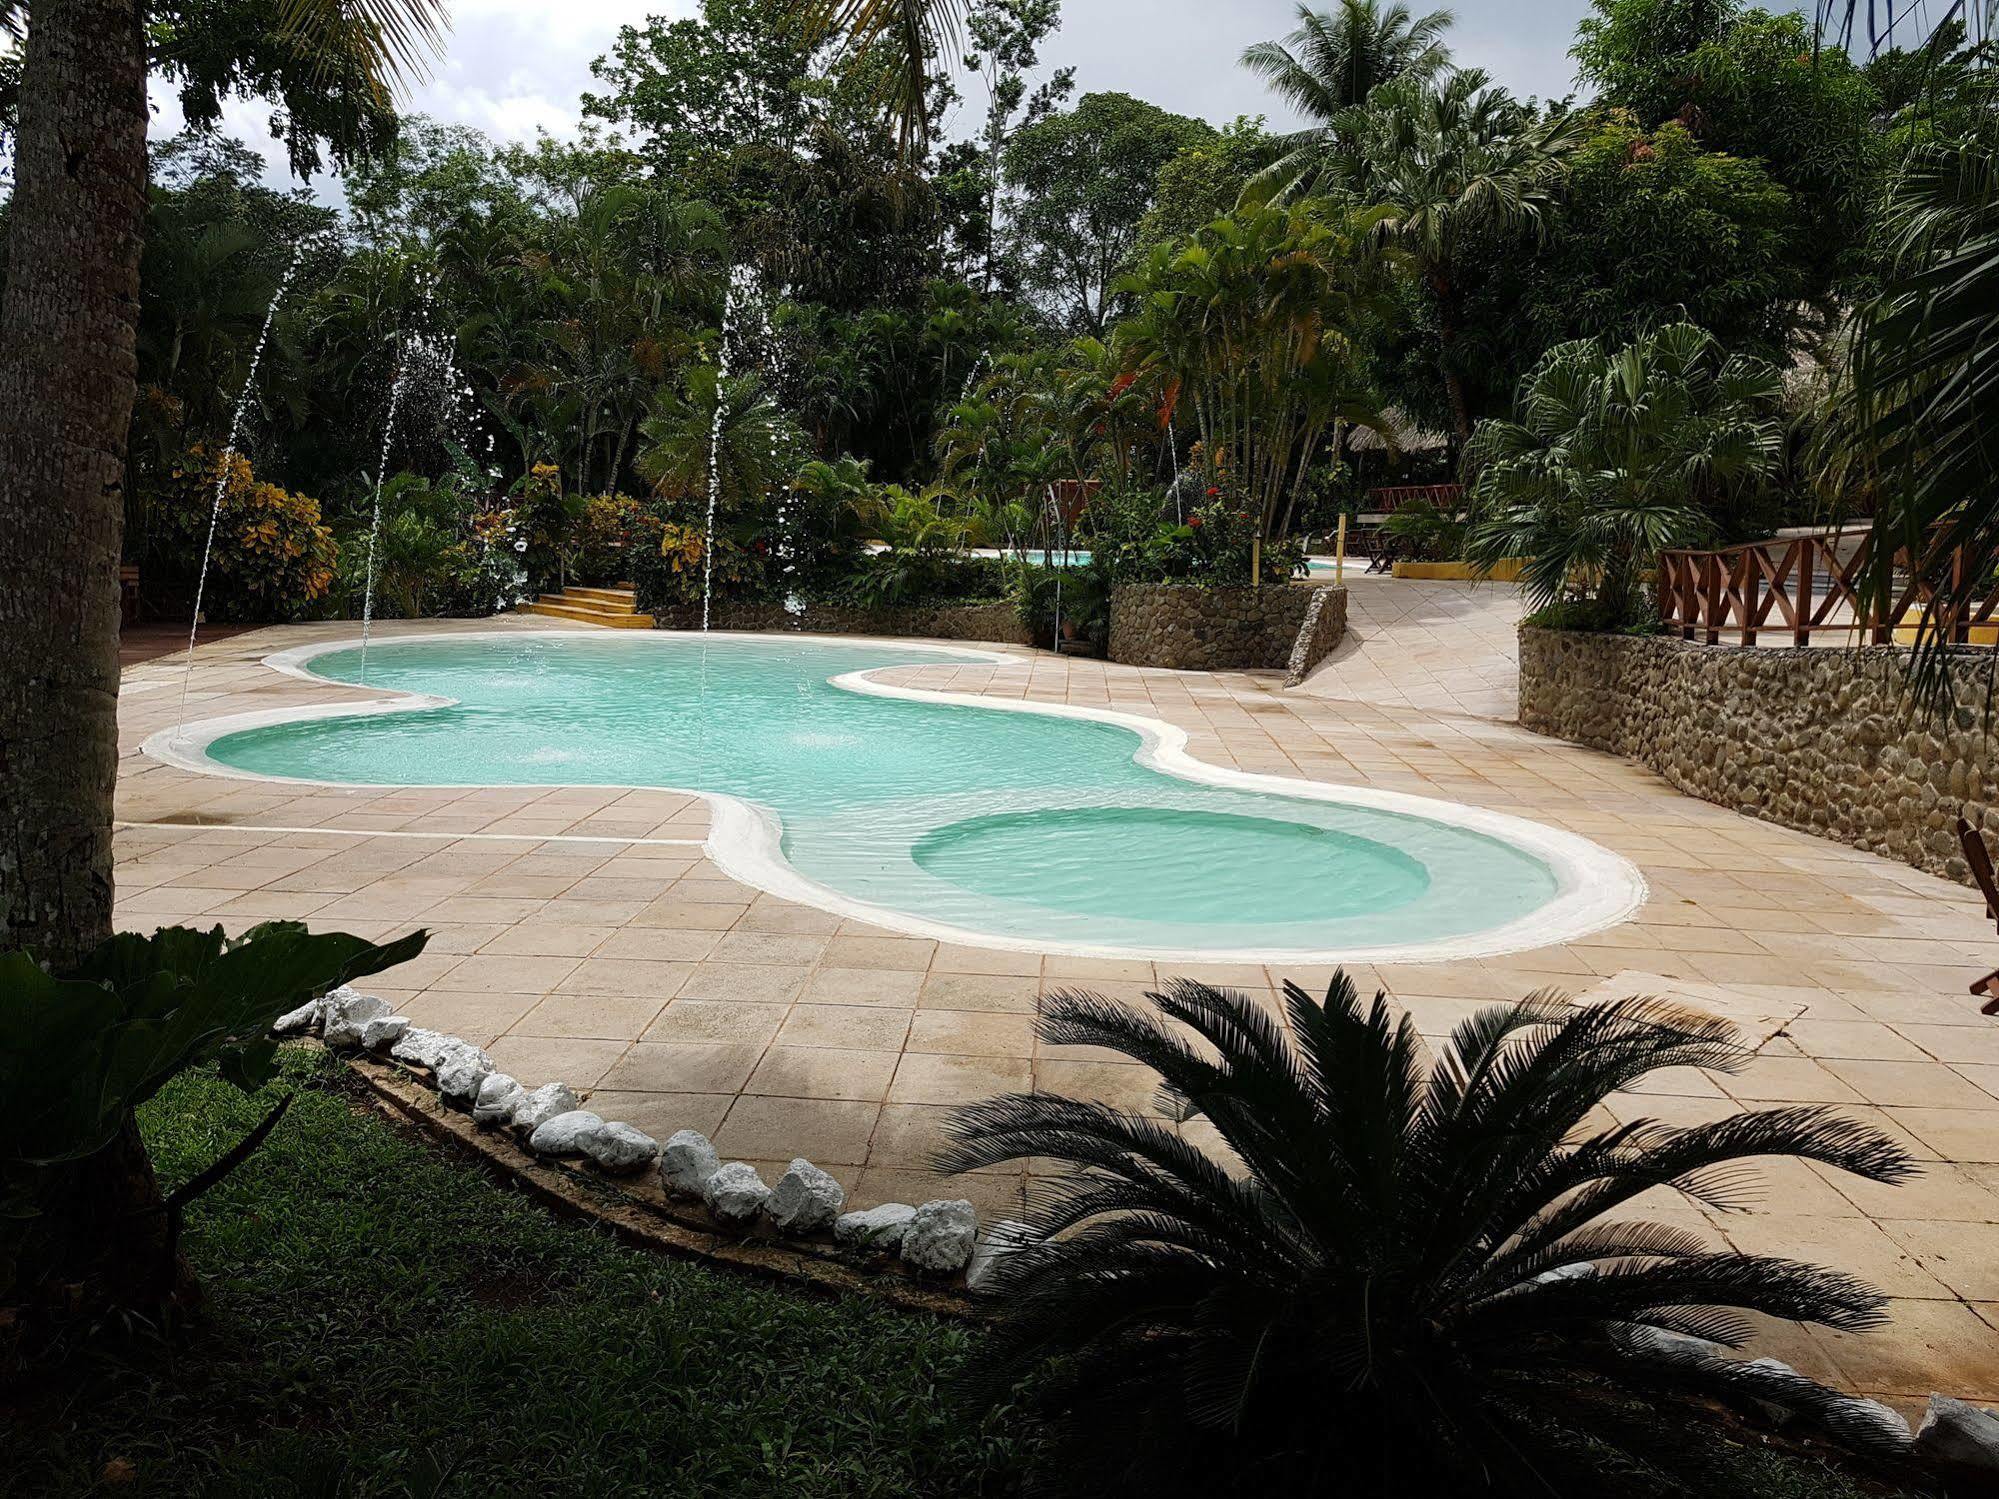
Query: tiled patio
(580, 934)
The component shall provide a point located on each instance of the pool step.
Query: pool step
(614, 608)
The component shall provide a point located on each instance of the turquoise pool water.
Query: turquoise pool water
(1006, 824)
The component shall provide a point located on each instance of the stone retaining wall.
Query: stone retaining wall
(995, 622)
(1825, 741)
(1324, 628)
(1189, 628)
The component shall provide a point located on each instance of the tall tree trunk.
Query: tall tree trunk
(68, 374)
(1449, 321)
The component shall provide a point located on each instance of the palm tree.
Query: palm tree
(68, 375)
(1399, 1276)
(1916, 422)
(1253, 322)
(1326, 69)
(911, 34)
(1458, 165)
(1614, 454)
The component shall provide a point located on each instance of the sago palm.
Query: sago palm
(1396, 1275)
(1328, 67)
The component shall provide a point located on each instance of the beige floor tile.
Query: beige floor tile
(972, 1033)
(747, 983)
(893, 988)
(867, 1027)
(534, 1060)
(707, 1020)
(1003, 993)
(598, 1017)
(663, 1114)
(823, 1072)
(955, 1080)
(831, 1132)
(684, 1067)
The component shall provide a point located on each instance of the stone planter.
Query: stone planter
(1189, 628)
(1825, 741)
(999, 623)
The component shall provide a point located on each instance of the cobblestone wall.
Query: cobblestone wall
(994, 622)
(1324, 628)
(1189, 628)
(1826, 741)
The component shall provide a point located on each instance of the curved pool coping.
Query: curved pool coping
(1595, 888)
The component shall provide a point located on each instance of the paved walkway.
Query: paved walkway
(636, 969)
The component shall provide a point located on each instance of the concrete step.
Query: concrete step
(556, 607)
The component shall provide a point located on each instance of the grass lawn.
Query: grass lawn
(380, 1313)
(387, 1320)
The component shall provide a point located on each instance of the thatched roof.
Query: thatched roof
(1409, 438)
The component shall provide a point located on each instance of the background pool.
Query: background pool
(1007, 824)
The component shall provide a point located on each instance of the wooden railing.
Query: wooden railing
(1802, 589)
(1389, 499)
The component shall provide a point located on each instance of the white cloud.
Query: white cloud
(515, 67)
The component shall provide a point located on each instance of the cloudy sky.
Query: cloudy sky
(516, 66)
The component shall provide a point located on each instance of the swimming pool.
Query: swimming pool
(971, 819)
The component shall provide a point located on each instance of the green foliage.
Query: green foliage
(1657, 229)
(79, 1051)
(1613, 454)
(272, 561)
(1462, 171)
(1256, 325)
(1752, 84)
(1394, 1275)
(1327, 71)
(1203, 182)
(1912, 426)
(1086, 179)
(375, 1309)
(1426, 533)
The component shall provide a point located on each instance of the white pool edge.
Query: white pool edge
(1595, 888)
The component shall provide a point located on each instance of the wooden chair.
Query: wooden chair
(1980, 860)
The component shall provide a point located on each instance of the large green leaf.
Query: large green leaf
(77, 1052)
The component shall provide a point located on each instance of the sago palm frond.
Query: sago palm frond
(1391, 1275)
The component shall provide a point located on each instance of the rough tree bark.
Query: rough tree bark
(68, 371)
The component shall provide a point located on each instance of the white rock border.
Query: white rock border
(551, 1121)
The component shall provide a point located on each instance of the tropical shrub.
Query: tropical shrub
(543, 515)
(602, 535)
(1426, 533)
(1349, 1268)
(900, 577)
(272, 561)
(1257, 323)
(81, 1049)
(1135, 540)
(1614, 454)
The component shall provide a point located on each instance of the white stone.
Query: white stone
(460, 1072)
(1959, 1433)
(384, 1031)
(940, 1236)
(497, 1098)
(347, 1013)
(686, 1162)
(874, 1228)
(620, 1147)
(542, 1104)
(1006, 1237)
(805, 1199)
(420, 1048)
(735, 1194)
(307, 1017)
(565, 1133)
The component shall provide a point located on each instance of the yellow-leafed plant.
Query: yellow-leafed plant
(273, 558)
